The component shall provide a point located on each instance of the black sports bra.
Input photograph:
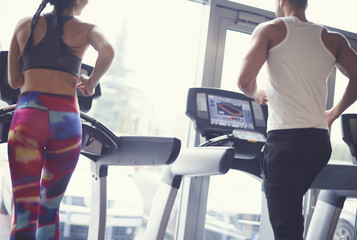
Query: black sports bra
(49, 53)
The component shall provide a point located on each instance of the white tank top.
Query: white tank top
(298, 70)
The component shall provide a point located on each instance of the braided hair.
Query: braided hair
(59, 7)
(34, 23)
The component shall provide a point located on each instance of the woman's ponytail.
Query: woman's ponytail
(34, 23)
(60, 6)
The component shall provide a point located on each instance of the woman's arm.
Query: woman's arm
(105, 57)
(15, 65)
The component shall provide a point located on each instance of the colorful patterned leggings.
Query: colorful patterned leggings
(44, 145)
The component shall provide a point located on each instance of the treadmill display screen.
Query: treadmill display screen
(230, 112)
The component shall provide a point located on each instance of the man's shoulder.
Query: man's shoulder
(272, 25)
(271, 29)
(333, 36)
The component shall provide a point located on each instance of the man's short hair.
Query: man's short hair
(299, 3)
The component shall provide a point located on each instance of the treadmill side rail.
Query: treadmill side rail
(199, 161)
(137, 151)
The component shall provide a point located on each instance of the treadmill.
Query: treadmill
(104, 148)
(226, 120)
(230, 119)
(99, 144)
(337, 182)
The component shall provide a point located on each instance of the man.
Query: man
(300, 56)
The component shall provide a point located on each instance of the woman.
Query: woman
(45, 134)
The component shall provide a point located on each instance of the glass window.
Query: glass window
(155, 62)
(320, 11)
(234, 51)
(345, 228)
(267, 5)
(341, 14)
(236, 46)
(234, 199)
(144, 92)
(6, 205)
(340, 150)
(233, 207)
(11, 14)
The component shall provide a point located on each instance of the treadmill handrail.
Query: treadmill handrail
(96, 124)
(203, 161)
(336, 177)
(197, 161)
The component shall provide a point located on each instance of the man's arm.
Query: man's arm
(253, 62)
(346, 61)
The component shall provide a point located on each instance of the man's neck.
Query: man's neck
(297, 13)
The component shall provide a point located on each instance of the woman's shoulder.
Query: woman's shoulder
(81, 24)
(24, 23)
(76, 32)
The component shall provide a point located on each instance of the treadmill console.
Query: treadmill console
(216, 112)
